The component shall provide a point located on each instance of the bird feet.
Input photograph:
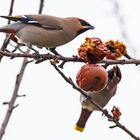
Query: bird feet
(53, 50)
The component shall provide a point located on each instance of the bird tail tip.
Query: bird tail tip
(13, 18)
(78, 128)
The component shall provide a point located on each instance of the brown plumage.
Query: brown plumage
(44, 30)
(101, 98)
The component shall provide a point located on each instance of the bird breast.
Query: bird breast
(101, 98)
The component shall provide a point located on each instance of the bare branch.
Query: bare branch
(44, 57)
(104, 111)
(11, 9)
(19, 77)
(7, 38)
(11, 103)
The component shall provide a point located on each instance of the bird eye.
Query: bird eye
(83, 23)
(114, 71)
(111, 74)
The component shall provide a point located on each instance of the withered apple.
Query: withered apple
(92, 77)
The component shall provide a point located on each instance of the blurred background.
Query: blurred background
(51, 106)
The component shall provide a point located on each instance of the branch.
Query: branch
(19, 77)
(44, 57)
(11, 9)
(41, 6)
(11, 105)
(7, 38)
(104, 111)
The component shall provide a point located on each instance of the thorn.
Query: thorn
(105, 112)
(70, 79)
(12, 57)
(128, 56)
(24, 95)
(62, 65)
(5, 103)
(11, 109)
(30, 61)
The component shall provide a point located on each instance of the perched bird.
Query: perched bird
(45, 30)
(101, 98)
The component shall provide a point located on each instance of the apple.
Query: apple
(92, 77)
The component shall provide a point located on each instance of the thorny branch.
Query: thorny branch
(104, 111)
(48, 56)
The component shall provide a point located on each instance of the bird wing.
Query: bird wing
(43, 21)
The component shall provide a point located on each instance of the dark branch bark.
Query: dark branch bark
(41, 6)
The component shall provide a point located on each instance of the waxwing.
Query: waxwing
(45, 30)
(101, 98)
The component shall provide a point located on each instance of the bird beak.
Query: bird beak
(88, 27)
(85, 28)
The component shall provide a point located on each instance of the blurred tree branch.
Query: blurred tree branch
(122, 24)
(41, 6)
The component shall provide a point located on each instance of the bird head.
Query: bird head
(114, 76)
(84, 26)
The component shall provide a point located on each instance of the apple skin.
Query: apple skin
(92, 77)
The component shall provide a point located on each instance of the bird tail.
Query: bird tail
(80, 125)
(13, 18)
(12, 28)
(7, 30)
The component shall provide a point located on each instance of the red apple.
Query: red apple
(92, 77)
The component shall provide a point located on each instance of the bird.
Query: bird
(44, 30)
(101, 98)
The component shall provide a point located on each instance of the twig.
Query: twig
(24, 95)
(41, 6)
(104, 111)
(7, 38)
(19, 77)
(11, 9)
(13, 99)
